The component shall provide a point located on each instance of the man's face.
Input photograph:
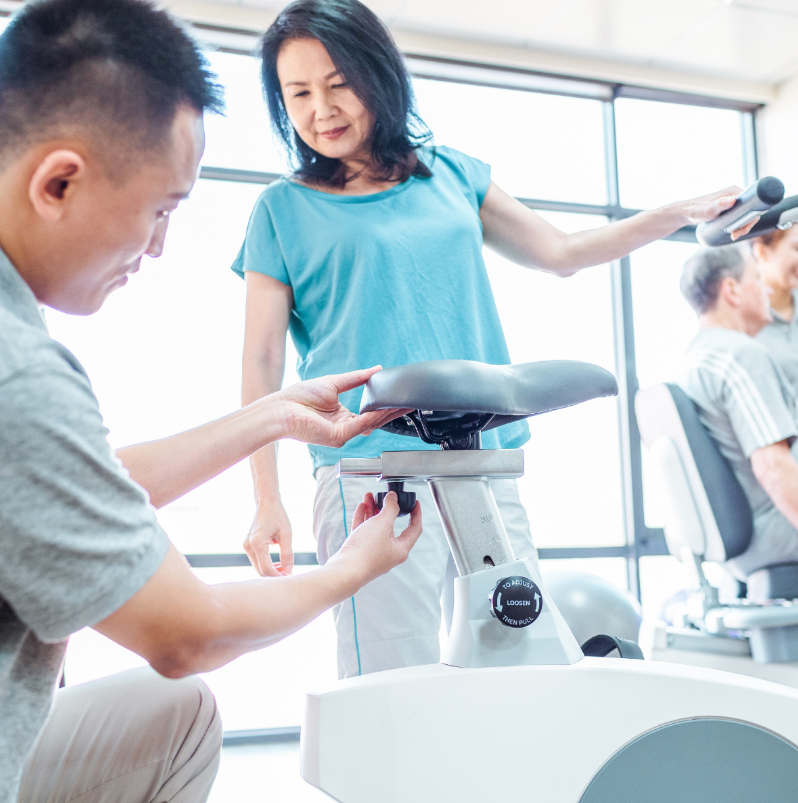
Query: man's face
(754, 298)
(110, 227)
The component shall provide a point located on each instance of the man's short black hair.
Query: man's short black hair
(706, 269)
(116, 70)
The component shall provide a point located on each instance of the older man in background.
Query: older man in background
(743, 398)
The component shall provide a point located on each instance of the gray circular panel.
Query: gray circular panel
(699, 761)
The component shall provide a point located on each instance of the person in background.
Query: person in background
(743, 397)
(776, 255)
(371, 252)
(101, 134)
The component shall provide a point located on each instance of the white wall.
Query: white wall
(777, 129)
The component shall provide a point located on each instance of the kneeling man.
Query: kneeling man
(101, 134)
(743, 398)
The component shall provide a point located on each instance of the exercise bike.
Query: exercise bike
(517, 709)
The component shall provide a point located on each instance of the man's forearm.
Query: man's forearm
(777, 472)
(205, 627)
(180, 625)
(173, 466)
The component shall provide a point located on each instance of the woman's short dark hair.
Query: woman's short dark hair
(363, 51)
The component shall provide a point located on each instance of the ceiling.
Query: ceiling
(744, 40)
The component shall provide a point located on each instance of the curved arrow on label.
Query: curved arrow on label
(537, 602)
(499, 602)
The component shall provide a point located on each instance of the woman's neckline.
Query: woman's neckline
(349, 197)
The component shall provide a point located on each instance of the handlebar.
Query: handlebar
(758, 198)
(781, 216)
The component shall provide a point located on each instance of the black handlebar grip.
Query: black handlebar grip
(758, 198)
(780, 216)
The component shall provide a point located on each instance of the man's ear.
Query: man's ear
(729, 291)
(51, 186)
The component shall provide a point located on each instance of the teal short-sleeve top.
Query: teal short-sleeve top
(387, 279)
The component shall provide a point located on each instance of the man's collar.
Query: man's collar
(16, 296)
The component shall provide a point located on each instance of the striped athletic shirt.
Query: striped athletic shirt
(746, 403)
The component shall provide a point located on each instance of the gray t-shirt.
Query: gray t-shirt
(780, 338)
(746, 403)
(77, 536)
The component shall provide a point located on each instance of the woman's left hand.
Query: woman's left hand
(311, 412)
(708, 207)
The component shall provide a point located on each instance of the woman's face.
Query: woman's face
(324, 111)
(779, 263)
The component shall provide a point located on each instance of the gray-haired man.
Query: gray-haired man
(744, 399)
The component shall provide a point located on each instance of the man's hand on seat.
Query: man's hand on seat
(777, 472)
(308, 411)
(311, 412)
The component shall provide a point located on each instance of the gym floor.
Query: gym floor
(267, 772)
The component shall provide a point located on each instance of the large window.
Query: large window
(165, 354)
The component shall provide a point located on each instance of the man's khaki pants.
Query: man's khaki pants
(135, 737)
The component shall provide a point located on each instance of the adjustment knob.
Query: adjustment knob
(405, 499)
(516, 601)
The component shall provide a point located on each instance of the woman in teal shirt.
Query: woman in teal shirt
(371, 253)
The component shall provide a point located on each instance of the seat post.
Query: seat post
(472, 523)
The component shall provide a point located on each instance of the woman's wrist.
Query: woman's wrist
(268, 499)
(672, 217)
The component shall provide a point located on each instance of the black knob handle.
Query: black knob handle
(406, 499)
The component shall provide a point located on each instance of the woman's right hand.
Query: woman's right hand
(371, 547)
(270, 527)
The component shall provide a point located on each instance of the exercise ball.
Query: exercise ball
(591, 605)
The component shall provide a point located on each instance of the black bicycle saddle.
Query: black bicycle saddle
(454, 400)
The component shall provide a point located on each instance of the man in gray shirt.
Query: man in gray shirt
(744, 399)
(101, 135)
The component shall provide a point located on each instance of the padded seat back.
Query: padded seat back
(706, 510)
(773, 582)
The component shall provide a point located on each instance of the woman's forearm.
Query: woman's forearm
(262, 377)
(524, 237)
(616, 240)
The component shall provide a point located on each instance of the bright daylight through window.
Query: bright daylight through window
(165, 354)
